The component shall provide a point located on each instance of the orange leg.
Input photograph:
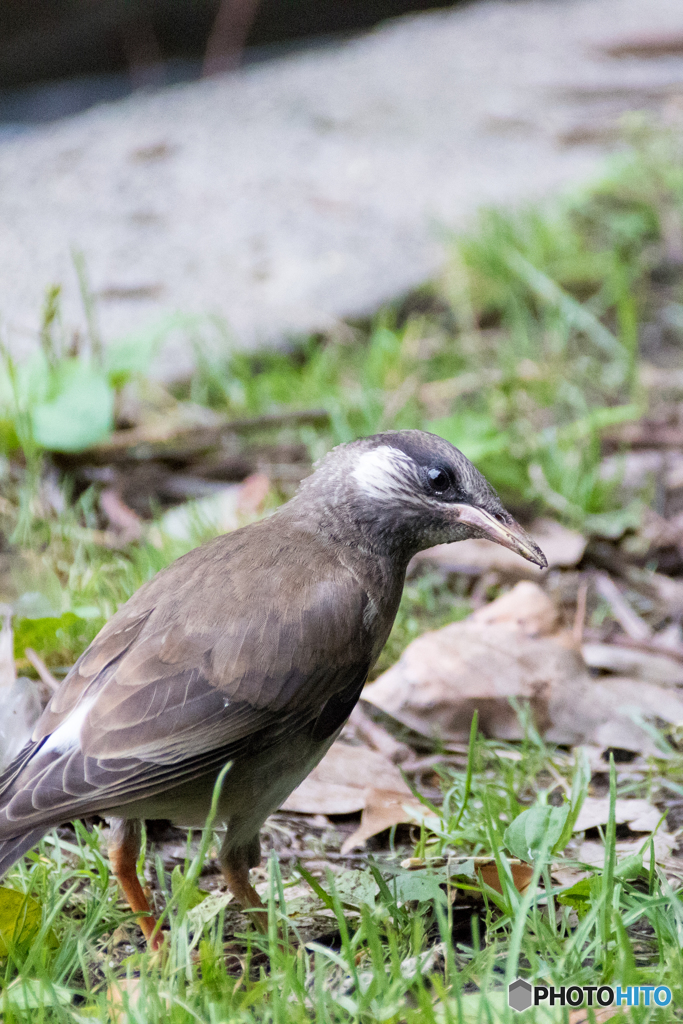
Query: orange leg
(124, 849)
(237, 878)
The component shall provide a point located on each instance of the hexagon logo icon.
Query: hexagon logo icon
(520, 995)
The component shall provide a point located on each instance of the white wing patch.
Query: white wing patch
(67, 736)
(386, 474)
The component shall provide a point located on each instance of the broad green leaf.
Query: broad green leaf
(578, 896)
(629, 868)
(417, 885)
(80, 411)
(534, 830)
(208, 908)
(20, 919)
(356, 887)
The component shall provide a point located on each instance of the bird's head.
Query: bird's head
(402, 491)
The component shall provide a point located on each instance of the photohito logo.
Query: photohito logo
(522, 995)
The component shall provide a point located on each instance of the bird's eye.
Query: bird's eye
(439, 480)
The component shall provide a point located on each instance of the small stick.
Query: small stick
(377, 737)
(580, 617)
(42, 669)
(630, 621)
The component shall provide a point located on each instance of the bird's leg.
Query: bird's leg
(123, 849)
(235, 865)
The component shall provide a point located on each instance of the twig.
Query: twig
(228, 36)
(630, 621)
(41, 668)
(580, 617)
(377, 737)
(316, 417)
(650, 647)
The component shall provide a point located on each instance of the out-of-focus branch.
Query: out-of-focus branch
(228, 36)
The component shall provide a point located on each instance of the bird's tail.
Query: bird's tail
(12, 849)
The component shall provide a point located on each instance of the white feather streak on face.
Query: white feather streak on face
(67, 736)
(387, 474)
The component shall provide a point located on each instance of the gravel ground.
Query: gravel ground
(314, 187)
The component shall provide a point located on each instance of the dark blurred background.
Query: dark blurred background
(60, 56)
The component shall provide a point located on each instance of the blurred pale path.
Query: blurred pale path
(293, 193)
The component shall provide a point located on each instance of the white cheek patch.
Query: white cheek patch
(67, 736)
(385, 473)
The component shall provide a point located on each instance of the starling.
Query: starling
(252, 649)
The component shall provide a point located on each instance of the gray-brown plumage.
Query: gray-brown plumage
(252, 649)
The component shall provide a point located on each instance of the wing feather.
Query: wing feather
(181, 681)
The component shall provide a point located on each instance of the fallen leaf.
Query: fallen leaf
(521, 874)
(487, 869)
(338, 785)
(617, 699)
(562, 547)
(508, 650)
(639, 815)
(593, 853)
(565, 876)
(526, 608)
(382, 809)
(443, 677)
(627, 661)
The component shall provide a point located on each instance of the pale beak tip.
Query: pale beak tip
(541, 561)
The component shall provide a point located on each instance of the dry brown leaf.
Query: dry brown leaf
(616, 698)
(521, 874)
(383, 809)
(628, 661)
(566, 877)
(478, 664)
(507, 650)
(593, 853)
(526, 608)
(562, 547)
(639, 815)
(338, 785)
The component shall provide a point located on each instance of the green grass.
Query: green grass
(388, 922)
(523, 354)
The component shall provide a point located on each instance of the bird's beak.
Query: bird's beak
(510, 536)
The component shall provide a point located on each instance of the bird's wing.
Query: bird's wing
(171, 690)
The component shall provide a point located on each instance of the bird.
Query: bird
(249, 651)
